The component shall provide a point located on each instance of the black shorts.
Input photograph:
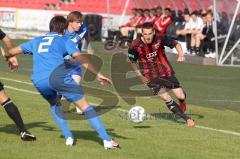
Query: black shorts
(166, 83)
(1, 86)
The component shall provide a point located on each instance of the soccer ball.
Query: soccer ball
(137, 114)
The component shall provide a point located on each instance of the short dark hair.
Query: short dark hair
(134, 9)
(209, 12)
(159, 7)
(147, 25)
(146, 10)
(186, 11)
(74, 16)
(58, 24)
(195, 13)
(168, 9)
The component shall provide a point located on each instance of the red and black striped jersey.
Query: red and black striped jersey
(151, 58)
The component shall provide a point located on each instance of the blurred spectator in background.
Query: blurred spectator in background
(196, 28)
(207, 36)
(187, 30)
(159, 12)
(130, 25)
(153, 16)
(180, 17)
(140, 18)
(146, 14)
(164, 21)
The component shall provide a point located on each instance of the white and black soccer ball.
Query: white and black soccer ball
(137, 114)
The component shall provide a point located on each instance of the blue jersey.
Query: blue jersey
(78, 36)
(48, 52)
(83, 30)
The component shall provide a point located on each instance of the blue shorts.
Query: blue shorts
(60, 83)
(46, 91)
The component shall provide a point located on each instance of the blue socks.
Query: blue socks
(91, 115)
(95, 121)
(60, 120)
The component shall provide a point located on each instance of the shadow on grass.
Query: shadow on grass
(12, 128)
(141, 126)
(93, 136)
(172, 117)
(71, 114)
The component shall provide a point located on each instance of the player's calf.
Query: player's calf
(174, 107)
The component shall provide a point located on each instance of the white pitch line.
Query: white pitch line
(198, 126)
(219, 100)
(21, 90)
(125, 111)
(219, 130)
(148, 97)
(13, 80)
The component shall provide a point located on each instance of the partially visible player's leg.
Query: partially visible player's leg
(174, 107)
(95, 121)
(171, 104)
(55, 107)
(76, 96)
(72, 91)
(193, 43)
(14, 114)
(181, 96)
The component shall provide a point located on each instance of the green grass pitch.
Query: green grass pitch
(213, 100)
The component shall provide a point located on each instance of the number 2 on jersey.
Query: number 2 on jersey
(44, 46)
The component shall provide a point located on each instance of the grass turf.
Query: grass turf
(213, 101)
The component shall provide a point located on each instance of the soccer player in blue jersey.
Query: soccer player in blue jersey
(52, 77)
(78, 31)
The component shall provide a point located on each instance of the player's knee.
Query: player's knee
(165, 97)
(82, 104)
(182, 96)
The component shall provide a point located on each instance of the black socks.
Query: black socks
(14, 114)
(174, 107)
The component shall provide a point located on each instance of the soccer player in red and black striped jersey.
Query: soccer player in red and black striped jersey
(151, 65)
(6, 102)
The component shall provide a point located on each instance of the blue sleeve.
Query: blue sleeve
(27, 47)
(83, 31)
(86, 31)
(71, 47)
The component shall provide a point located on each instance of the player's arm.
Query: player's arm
(83, 60)
(170, 42)
(12, 61)
(11, 57)
(11, 54)
(89, 45)
(14, 51)
(139, 74)
(133, 56)
(179, 49)
(8, 42)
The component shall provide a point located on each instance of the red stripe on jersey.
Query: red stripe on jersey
(152, 60)
(145, 64)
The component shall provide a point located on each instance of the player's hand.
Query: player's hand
(102, 79)
(90, 52)
(181, 58)
(178, 32)
(143, 79)
(13, 63)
